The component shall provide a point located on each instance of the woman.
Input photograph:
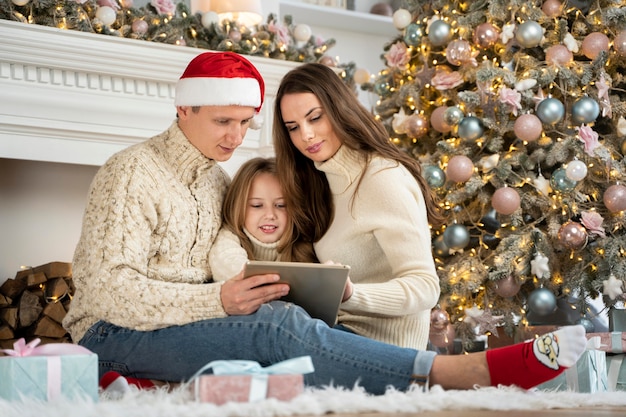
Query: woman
(361, 201)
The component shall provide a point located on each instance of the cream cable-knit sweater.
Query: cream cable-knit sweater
(383, 234)
(153, 212)
(227, 257)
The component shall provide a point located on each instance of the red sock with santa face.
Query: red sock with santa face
(531, 363)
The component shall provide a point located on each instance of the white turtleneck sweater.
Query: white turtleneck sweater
(227, 257)
(382, 233)
(153, 212)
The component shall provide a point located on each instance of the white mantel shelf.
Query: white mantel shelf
(75, 97)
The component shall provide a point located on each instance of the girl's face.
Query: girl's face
(266, 215)
(308, 126)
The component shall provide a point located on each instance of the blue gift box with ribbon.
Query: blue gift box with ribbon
(616, 371)
(247, 381)
(48, 372)
(588, 375)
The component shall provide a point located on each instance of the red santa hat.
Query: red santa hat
(220, 79)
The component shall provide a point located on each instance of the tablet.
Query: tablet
(318, 288)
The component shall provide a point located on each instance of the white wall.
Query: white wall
(41, 207)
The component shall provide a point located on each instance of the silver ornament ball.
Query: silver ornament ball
(452, 116)
(542, 302)
(470, 128)
(585, 110)
(456, 236)
(550, 111)
(434, 176)
(529, 34)
(439, 32)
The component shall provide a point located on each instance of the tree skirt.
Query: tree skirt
(179, 402)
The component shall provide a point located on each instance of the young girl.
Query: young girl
(255, 221)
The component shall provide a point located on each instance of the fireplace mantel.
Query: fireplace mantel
(74, 97)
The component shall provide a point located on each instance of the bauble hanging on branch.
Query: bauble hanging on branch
(505, 200)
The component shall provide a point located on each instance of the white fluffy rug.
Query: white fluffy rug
(177, 403)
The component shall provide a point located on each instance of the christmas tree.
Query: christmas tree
(516, 111)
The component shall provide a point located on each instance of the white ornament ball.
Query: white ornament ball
(20, 2)
(576, 170)
(106, 15)
(402, 18)
(529, 34)
(302, 32)
(361, 76)
(209, 18)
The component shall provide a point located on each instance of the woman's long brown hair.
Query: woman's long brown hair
(307, 192)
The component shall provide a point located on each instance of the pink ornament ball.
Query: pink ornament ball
(505, 200)
(615, 198)
(328, 61)
(437, 122)
(416, 126)
(594, 43)
(528, 127)
(507, 287)
(460, 168)
(552, 8)
(139, 27)
(619, 43)
(486, 35)
(443, 338)
(439, 319)
(559, 55)
(382, 9)
(573, 235)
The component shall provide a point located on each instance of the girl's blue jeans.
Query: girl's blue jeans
(276, 332)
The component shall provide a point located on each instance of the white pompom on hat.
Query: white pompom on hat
(220, 79)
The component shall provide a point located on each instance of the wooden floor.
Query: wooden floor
(576, 412)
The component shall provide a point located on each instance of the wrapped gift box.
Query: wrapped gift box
(616, 365)
(589, 375)
(48, 372)
(247, 381)
(617, 320)
(614, 342)
(220, 389)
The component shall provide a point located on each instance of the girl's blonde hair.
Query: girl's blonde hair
(236, 201)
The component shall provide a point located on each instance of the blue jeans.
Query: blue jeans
(276, 332)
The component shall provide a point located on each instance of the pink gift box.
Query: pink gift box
(220, 389)
(614, 342)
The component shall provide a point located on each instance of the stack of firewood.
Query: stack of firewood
(34, 303)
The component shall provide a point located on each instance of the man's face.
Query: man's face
(216, 131)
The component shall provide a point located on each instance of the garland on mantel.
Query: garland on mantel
(166, 22)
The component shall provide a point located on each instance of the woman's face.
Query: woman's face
(266, 215)
(308, 126)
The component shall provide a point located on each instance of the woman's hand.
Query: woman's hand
(347, 292)
(241, 296)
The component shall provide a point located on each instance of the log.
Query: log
(56, 289)
(9, 316)
(5, 301)
(51, 270)
(47, 327)
(35, 279)
(12, 288)
(6, 333)
(55, 311)
(29, 309)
